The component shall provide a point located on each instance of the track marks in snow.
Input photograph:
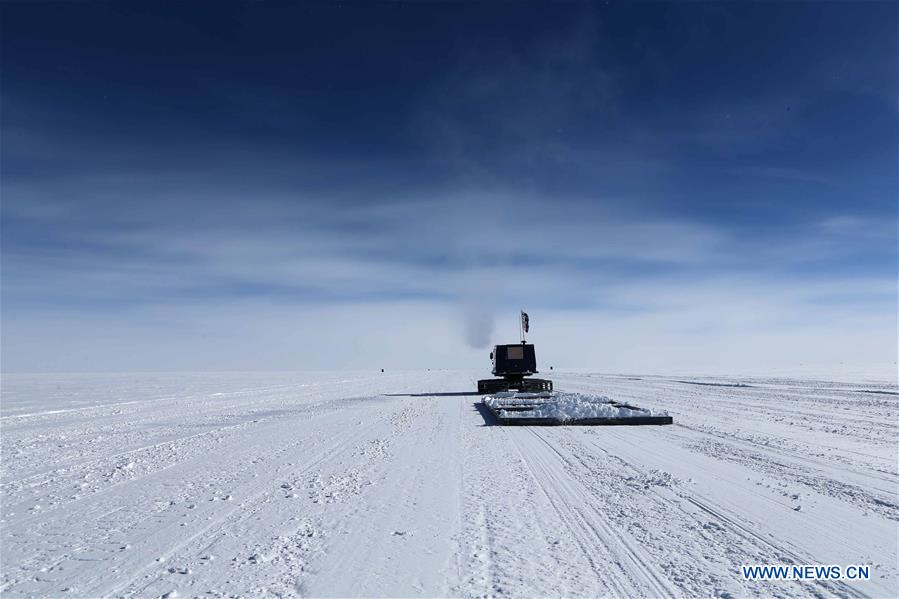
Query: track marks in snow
(171, 511)
(664, 512)
(290, 510)
(511, 542)
(411, 520)
(614, 558)
(323, 529)
(786, 473)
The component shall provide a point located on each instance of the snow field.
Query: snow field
(356, 484)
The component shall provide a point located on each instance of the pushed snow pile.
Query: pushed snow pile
(566, 406)
(549, 408)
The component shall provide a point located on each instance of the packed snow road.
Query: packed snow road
(398, 484)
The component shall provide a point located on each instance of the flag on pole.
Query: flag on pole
(524, 321)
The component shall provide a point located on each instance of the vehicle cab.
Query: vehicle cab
(514, 359)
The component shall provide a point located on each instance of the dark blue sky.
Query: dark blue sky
(171, 172)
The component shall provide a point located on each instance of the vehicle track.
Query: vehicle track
(735, 527)
(745, 531)
(624, 567)
(638, 557)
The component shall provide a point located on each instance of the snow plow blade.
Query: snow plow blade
(527, 385)
(563, 409)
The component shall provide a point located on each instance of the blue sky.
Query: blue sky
(690, 186)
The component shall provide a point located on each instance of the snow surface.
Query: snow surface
(567, 406)
(351, 484)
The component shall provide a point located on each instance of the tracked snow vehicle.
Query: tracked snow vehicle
(514, 363)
